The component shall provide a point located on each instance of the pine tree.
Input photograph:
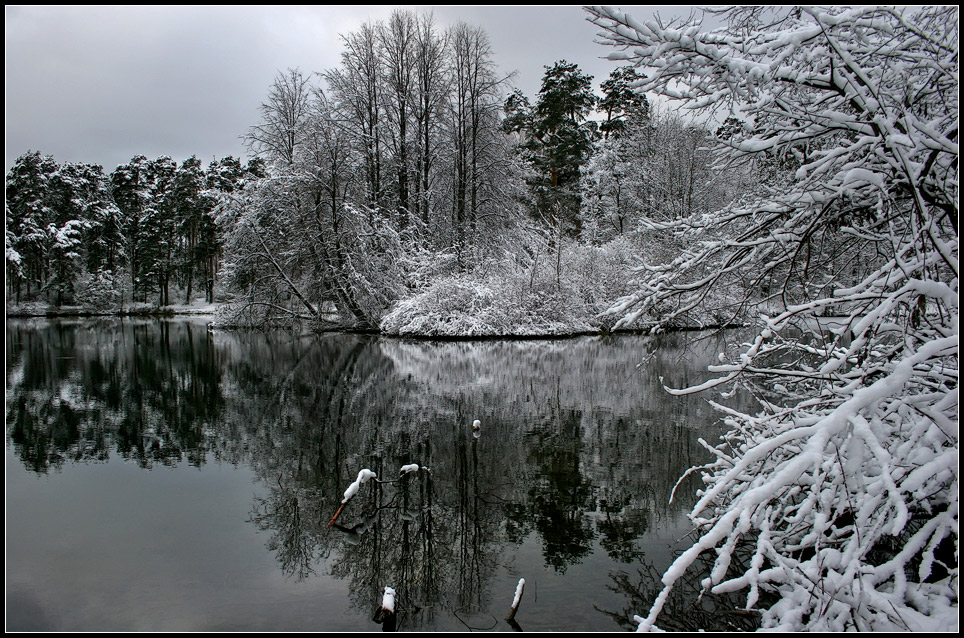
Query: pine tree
(191, 208)
(29, 213)
(130, 189)
(621, 103)
(557, 139)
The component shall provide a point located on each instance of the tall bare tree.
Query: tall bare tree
(283, 119)
(431, 90)
(398, 40)
(358, 95)
(478, 145)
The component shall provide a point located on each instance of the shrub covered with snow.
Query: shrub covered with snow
(552, 294)
(463, 306)
(100, 291)
(452, 305)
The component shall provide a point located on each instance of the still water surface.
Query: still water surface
(160, 476)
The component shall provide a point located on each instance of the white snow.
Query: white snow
(363, 477)
(388, 600)
(518, 593)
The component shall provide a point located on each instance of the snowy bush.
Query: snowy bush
(465, 305)
(451, 306)
(99, 291)
(845, 491)
(534, 299)
(600, 275)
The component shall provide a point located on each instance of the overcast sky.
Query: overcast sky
(102, 84)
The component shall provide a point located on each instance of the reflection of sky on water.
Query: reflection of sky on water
(166, 549)
(567, 482)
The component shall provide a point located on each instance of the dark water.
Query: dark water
(163, 477)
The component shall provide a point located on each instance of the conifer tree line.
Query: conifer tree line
(410, 161)
(77, 235)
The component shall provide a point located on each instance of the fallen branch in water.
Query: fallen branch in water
(363, 476)
(516, 600)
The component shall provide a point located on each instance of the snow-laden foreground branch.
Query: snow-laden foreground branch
(844, 487)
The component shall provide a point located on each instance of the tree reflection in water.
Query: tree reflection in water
(579, 448)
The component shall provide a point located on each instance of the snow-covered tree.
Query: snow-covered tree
(431, 92)
(130, 186)
(298, 243)
(842, 492)
(679, 182)
(656, 168)
(29, 211)
(61, 222)
(158, 230)
(104, 241)
(396, 40)
(610, 188)
(13, 259)
(396, 168)
(357, 92)
(283, 118)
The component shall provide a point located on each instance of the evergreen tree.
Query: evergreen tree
(224, 175)
(28, 215)
(564, 137)
(83, 233)
(192, 208)
(160, 225)
(223, 179)
(621, 103)
(557, 140)
(104, 240)
(130, 189)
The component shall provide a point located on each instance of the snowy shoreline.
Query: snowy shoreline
(211, 310)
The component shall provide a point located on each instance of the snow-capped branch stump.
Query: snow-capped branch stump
(516, 600)
(363, 476)
(412, 467)
(385, 615)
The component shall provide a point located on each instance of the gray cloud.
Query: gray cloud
(102, 84)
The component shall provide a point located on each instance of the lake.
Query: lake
(161, 476)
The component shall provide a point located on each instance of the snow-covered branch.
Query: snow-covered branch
(844, 485)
